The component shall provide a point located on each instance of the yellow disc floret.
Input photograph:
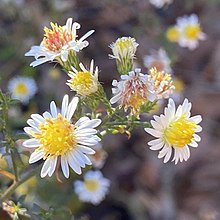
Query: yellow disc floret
(56, 38)
(91, 185)
(21, 89)
(84, 83)
(180, 132)
(192, 32)
(162, 81)
(172, 34)
(56, 136)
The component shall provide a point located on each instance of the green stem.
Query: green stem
(9, 140)
(129, 123)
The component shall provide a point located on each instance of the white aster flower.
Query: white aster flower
(132, 91)
(94, 187)
(190, 31)
(160, 3)
(56, 139)
(22, 88)
(57, 43)
(175, 131)
(158, 59)
(124, 48)
(162, 84)
(84, 82)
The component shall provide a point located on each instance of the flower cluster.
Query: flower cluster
(70, 138)
(186, 32)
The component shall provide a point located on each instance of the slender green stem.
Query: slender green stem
(9, 140)
(129, 123)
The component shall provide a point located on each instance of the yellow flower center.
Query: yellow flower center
(135, 102)
(192, 31)
(84, 83)
(56, 38)
(159, 77)
(91, 185)
(56, 136)
(124, 43)
(172, 34)
(180, 132)
(21, 89)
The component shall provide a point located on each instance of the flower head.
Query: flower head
(162, 83)
(84, 82)
(132, 91)
(57, 43)
(160, 3)
(55, 138)
(158, 59)
(175, 130)
(94, 187)
(124, 50)
(190, 31)
(173, 34)
(22, 88)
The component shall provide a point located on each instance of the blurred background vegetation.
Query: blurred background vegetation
(142, 187)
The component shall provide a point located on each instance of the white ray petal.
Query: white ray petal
(64, 166)
(72, 107)
(53, 163)
(64, 105)
(31, 143)
(53, 109)
(73, 164)
(153, 132)
(36, 156)
(46, 168)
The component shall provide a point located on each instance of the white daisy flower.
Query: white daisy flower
(160, 3)
(84, 82)
(175, 131)
(94, 187)
(57, 139)
(158, 59)
(190, 31)
(132, 91)
(22, 88)
(162, 84)
(57, 43)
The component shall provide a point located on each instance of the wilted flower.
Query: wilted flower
(175, 130)
(84, 82)
(57, 43)
(124, 50)
(57, 139)
(94, 187)
(160, 3)
(22, 88)
(132, 91)
(162, 84)
(158, 59)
